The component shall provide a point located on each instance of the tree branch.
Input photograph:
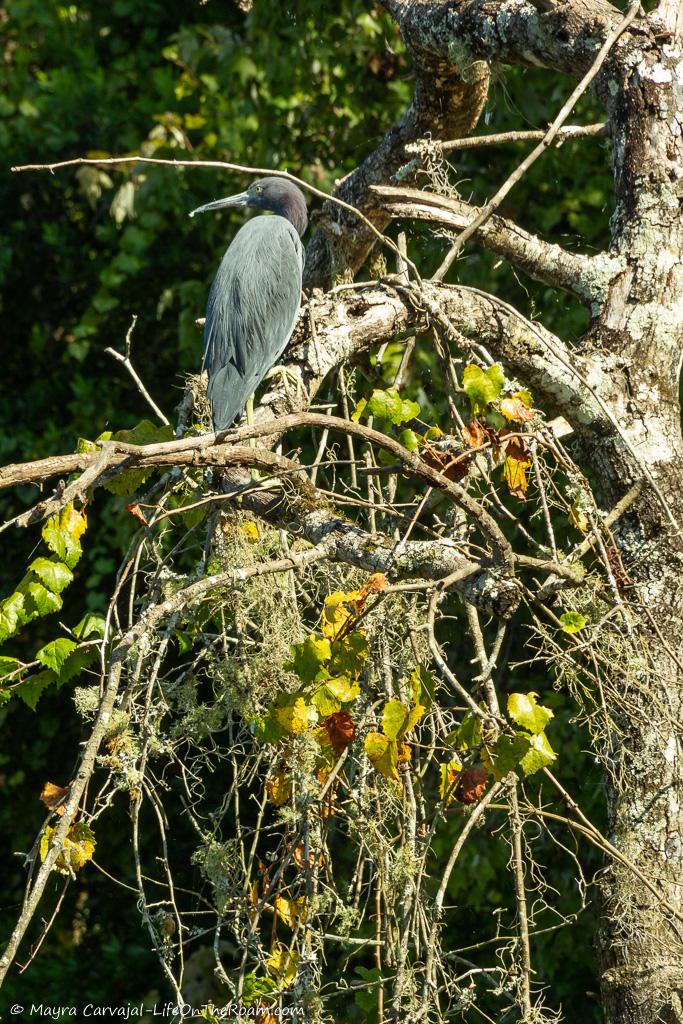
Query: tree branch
(586, 277)
(447, 101)
(560, 34)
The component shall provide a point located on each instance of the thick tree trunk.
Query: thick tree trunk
(642, 326)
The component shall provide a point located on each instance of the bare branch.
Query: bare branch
(571, 131)
(584, 276)
(493, 204)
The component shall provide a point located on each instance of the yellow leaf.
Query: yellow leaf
(251, 532)
(516, 407)
(578, 518)
(294, 717)
(291, 911)
(449, 773)
(383, 754)
(279, 788)
(336, 614)
(79, 846)
(73, 521)
(283, 965)
(514, 474)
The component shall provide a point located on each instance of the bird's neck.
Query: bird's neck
(293, 207)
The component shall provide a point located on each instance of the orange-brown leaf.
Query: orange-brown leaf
(514, 409)
(341, 729)
(470, 786)
(474, 434)
(54, 797)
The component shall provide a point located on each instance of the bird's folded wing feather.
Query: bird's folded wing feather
(252, 309)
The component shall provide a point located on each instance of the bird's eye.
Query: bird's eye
(259, 188)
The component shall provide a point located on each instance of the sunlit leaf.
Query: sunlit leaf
(79, 846)
(54, 797)
(540, 755)
(572, 622)
(514, 474)
(91, 624)
(279, 788)
(293, 717)
(517, 407)
(390, 406)
(52, 574)
(482, 386)
(283, 965)
(449, 773)
(422, 685)
(349, 654)
(382, 753)
(525, 711)
(291, 911)
(54, 654)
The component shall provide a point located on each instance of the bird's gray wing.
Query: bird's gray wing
(251, 312)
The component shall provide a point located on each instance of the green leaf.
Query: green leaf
(145, 432)
(31, 690)
(54, 654)
(468, 734)
(52, 574)
(126, 483)
(11, 610)
(91, 624)
(267, 729)
(390, 406)
(572, 622)
(394, 718)
(8, 666)
(359, 410)
(524, 711)
(65, 545)
(422, 684)
(482, 386)
(505, 755)
(366, 998)
(539, 756)
(326, 701)
(398, 720)
(409, 439)
(256, 988)
(41, 600)
(308, 659)
(349, 654)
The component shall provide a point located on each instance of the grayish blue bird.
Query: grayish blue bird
(255, 296)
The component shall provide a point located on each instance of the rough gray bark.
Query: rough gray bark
(624, 407)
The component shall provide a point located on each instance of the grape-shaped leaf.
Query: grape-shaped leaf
(482, 386)
(308, 659)
(524, 711)
(539, 755)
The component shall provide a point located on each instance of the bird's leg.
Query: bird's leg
(289, 375)
(249, 414)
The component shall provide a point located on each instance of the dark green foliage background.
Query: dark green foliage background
(306, 85)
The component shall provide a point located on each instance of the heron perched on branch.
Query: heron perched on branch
(255, 296)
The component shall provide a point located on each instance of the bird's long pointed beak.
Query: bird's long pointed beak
(239, 200)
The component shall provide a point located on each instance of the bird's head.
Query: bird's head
(275, 194)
